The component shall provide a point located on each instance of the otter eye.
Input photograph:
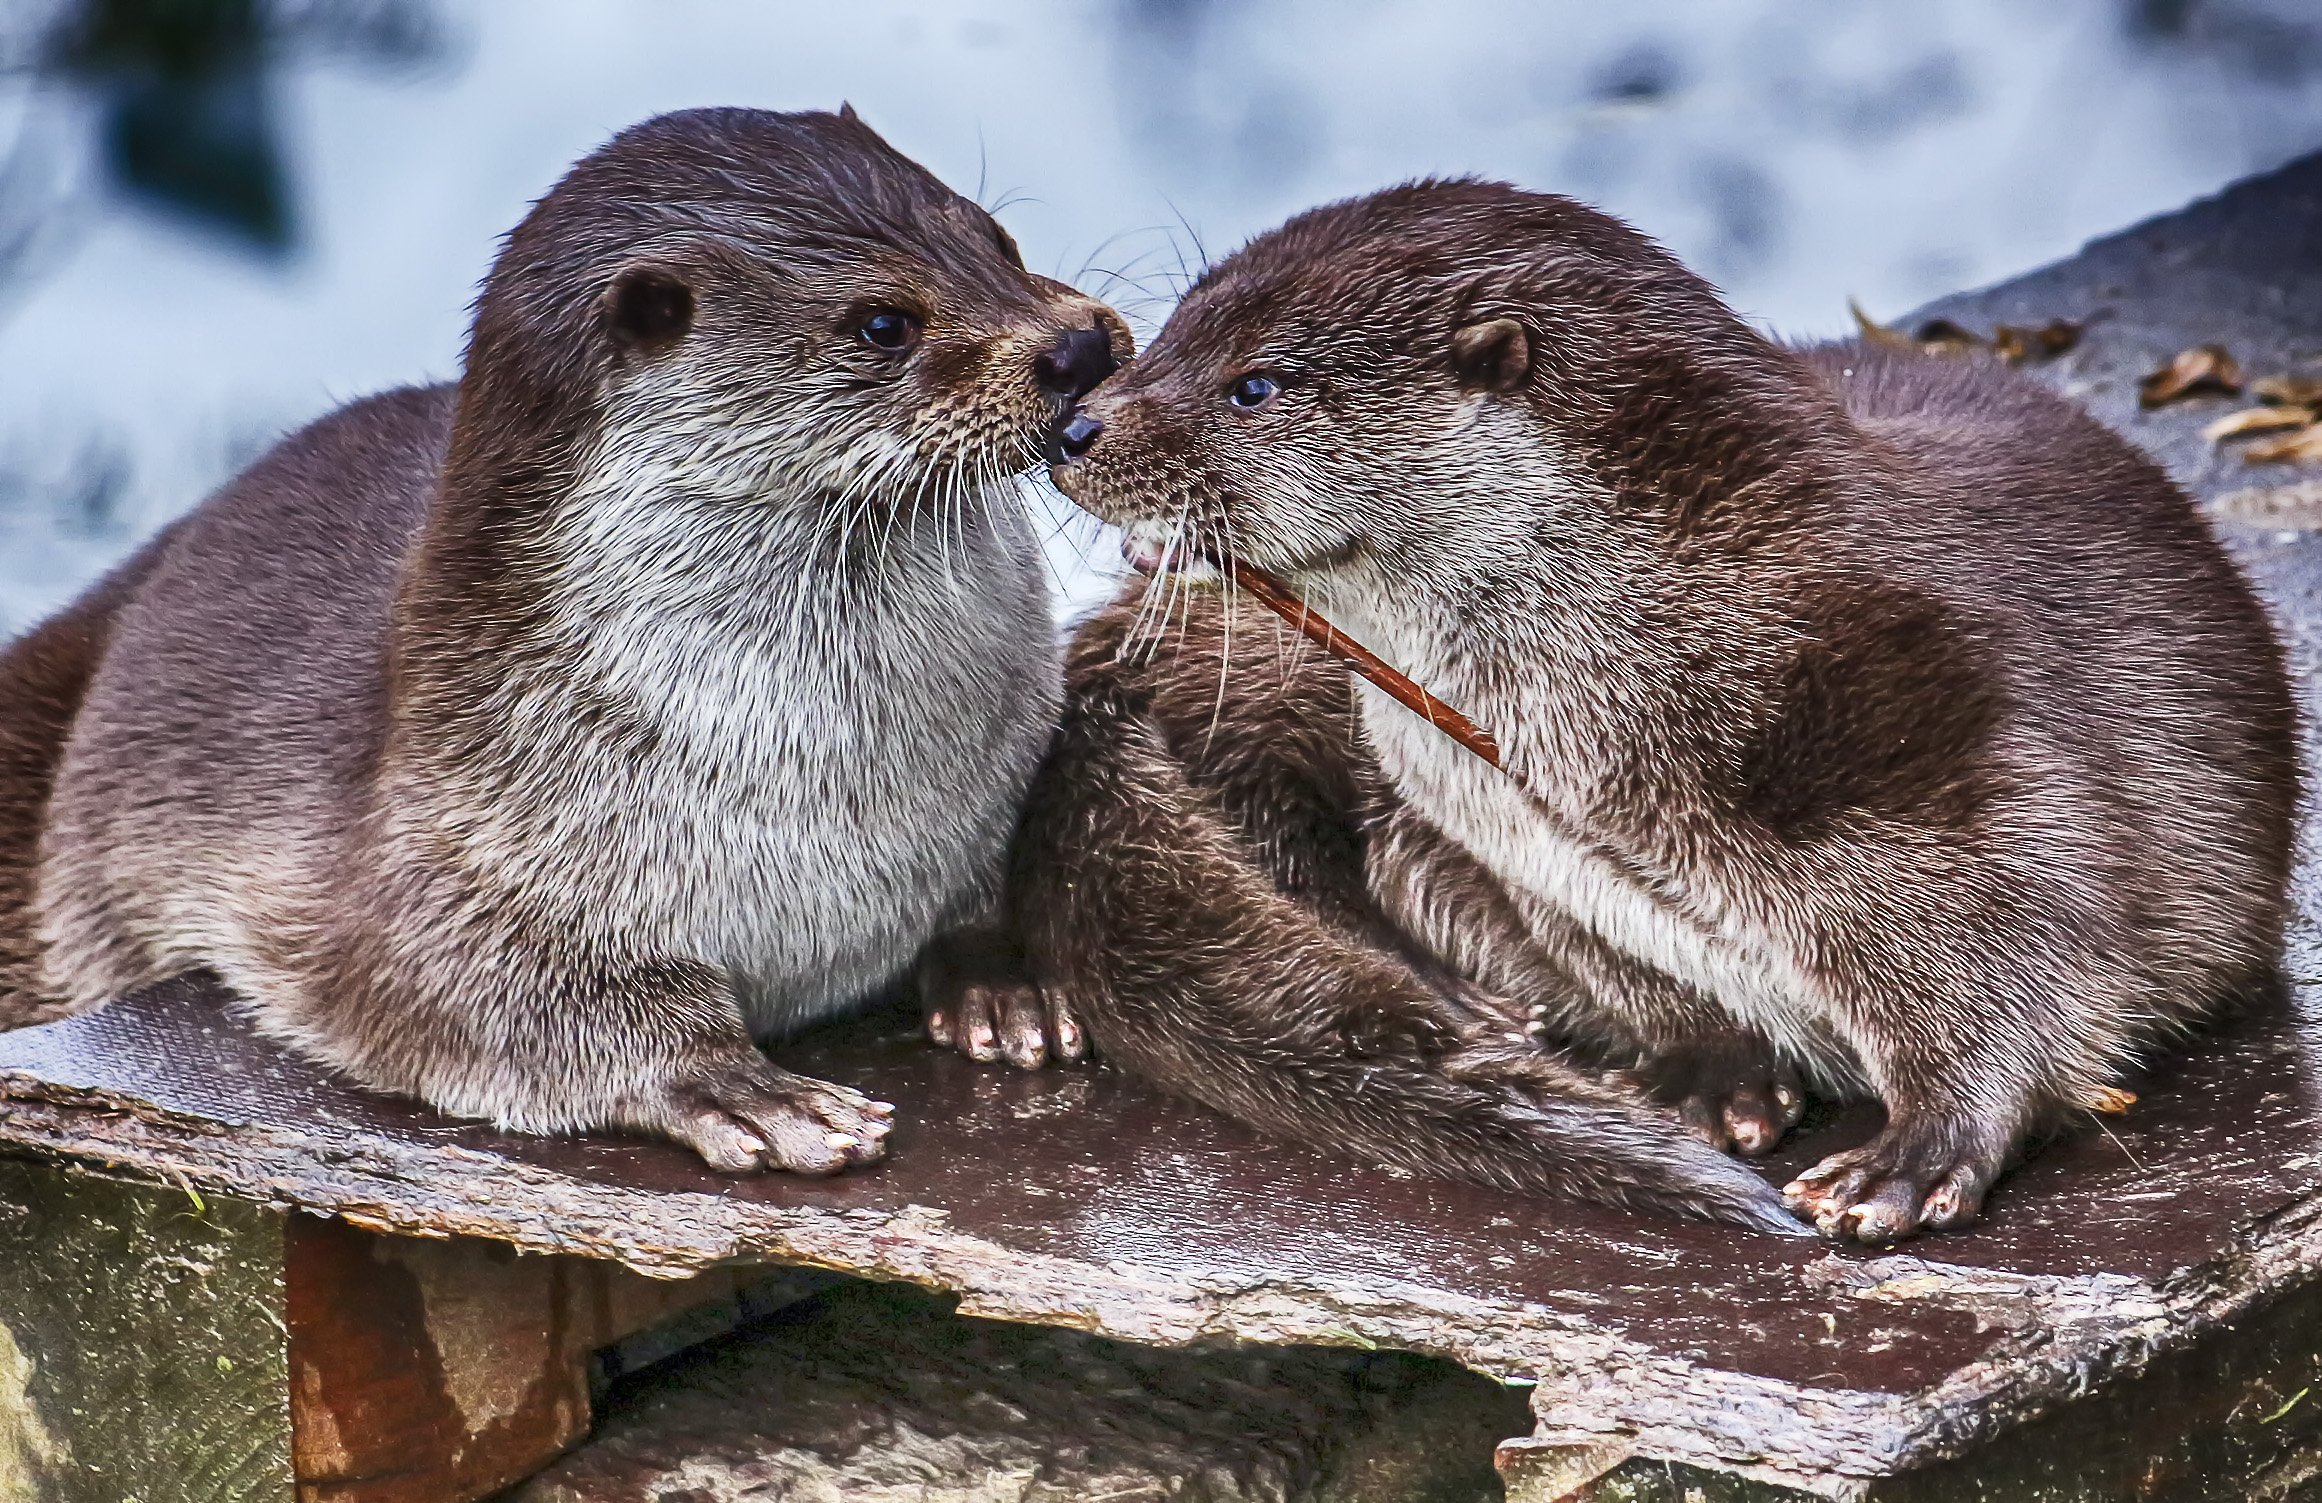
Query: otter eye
(1252, 392)
(889, 329)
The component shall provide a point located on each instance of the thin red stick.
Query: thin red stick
(1278, 597)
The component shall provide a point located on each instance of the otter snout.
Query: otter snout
(1079, 432)
(1072, 367)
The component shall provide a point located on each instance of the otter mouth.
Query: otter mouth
(1153, 548)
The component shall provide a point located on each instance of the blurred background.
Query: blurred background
(219, 218)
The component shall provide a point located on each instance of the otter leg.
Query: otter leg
(1924, 1172)
(709, 1086)
(741, 1113)
(524, 1037)
(978, 997)
(1724, 1081)
(1727, 1085)
(1967, 1040)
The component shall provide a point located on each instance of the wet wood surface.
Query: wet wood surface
(2117, 1261)
(1076, 1198)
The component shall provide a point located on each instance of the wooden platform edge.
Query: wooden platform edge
(2065, 1336)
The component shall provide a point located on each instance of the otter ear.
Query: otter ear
(649, 307)
(1494, 355)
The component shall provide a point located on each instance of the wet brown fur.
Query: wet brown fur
(1193, 880)
(534, 745)
(1909, 714)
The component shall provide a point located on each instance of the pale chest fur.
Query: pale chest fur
(795, 765)
(1537, 842)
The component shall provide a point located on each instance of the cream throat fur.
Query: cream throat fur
(1535, 827)
(809, 827)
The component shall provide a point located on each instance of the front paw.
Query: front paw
(1023, 1023)
(1912, 1177)
(1728, 1088)
(741, 1114)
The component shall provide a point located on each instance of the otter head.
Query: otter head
(1440, 382)
(740, 305)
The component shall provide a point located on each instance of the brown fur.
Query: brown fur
(532, 745)
(43, 676)
(1192, 880)
(1908, 715)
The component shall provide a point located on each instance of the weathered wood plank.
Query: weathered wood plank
(167, 1346)
(440, 1370)
(141, 1344)
(2235, 1415)
(1075, 1199)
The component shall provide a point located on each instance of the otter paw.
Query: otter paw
(1899, 1183)
(1729, 1089)
(741, 1114)
(1026, 1025)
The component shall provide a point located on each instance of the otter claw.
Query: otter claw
(1013, 1020)
(1908, 1179)
(742, 1114)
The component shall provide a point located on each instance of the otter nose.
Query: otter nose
(1071, 367)
(1079, 431)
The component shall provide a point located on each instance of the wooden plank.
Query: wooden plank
(159, 1344)
(879, 1394)
(141, 1344)
(425, 1372)
(440, 1370)
(1072, 1198)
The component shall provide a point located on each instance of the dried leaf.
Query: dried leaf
(2111, 1101)
(2017, 344)
(2284, 508)
(1937, 336)
(1874, 332)
(2302, 447)
(1940, 336)
(2207, 369)
(2288, 391)
(2257, 420)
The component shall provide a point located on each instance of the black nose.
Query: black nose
(1071, 367)
(1079, 431)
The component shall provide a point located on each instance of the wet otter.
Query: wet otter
(530, 745)
(1878, 716)
(1193, 879)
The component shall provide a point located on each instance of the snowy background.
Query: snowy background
(213, 229)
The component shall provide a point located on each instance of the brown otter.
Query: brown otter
(1884, 716)
(1193, 877)
(530, 745)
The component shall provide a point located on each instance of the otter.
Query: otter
(1873, 716)
(534, 745)
(1194, 879)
